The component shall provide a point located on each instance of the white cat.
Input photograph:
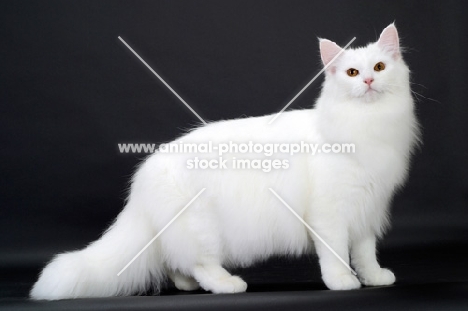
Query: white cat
(366, 100)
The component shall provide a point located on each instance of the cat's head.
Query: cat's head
(366, 73)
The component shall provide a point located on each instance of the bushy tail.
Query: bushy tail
(92, 272)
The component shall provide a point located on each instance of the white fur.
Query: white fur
(237, 221)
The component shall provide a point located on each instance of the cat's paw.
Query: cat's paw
(341, 281)
(378, 277)
(232, 284)
(186, 283)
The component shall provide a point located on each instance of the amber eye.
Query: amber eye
(352, 72)
(379, 66)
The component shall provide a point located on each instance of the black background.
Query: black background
(70, 91)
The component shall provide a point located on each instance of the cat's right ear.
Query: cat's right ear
(328, 51)
(389, 41)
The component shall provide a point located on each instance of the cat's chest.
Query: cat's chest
(381, 161)
(380, 146)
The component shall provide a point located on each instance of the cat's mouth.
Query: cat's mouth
(372, 91)
(370, 94)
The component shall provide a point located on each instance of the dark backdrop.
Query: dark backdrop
(70, 91)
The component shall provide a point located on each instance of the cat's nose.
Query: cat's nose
(368, 81)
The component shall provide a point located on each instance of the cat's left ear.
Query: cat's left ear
(389, 41)
(328, 51)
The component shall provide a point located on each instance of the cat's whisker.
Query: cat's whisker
(417, 95)
(418, 84)
(427, 98)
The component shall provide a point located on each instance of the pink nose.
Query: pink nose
(368, 81)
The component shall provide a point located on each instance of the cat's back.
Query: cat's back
(287, 127)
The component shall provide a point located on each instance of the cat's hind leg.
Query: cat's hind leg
(216, 279)
(194, 247)
(183, 282)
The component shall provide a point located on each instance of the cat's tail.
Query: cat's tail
(92, 272)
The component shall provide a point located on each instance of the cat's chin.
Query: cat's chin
(371, 96)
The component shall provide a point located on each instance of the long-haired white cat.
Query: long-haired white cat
(365, 100)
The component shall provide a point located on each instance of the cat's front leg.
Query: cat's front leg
(335, 274)
(364, 259)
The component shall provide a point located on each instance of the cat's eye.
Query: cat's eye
(379, 66)
(352, 72)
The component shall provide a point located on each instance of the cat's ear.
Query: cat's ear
(389, 41)
(328, 51)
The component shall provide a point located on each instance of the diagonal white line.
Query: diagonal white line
(162, 80)
(313, 231)
(160, 232)
(313, 79)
